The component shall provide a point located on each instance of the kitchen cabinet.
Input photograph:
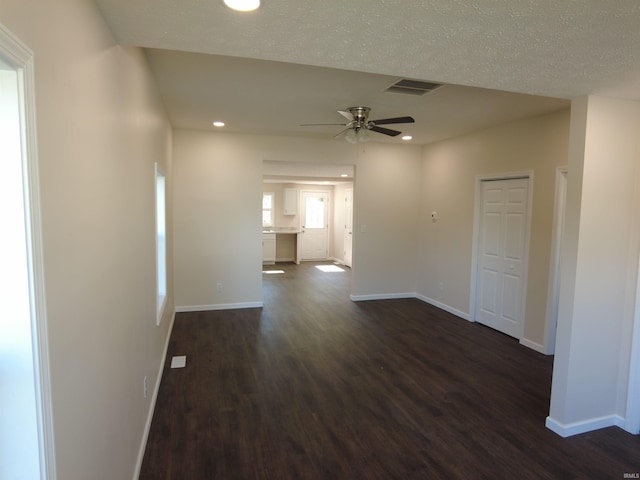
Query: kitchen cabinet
(290, 201)
(268, 248)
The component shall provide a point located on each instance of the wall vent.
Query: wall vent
(413, 87)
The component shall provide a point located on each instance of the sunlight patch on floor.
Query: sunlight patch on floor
(271, 272)
(329, 268)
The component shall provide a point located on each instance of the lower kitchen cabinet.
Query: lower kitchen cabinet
(268, 248)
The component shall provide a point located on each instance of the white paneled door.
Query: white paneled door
(501, 255)
(314, 243)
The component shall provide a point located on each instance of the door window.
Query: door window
(314, 212)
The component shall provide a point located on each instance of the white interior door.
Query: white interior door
(315, 226)
(501, 255)
(348, 227)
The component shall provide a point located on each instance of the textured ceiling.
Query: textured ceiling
(561, 49)
(544, 47)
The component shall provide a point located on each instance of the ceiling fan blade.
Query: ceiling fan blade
(386, 131)
(319, 124)
(341, 132)
(347, 115)
(387, 121)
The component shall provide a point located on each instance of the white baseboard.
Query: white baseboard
(381, 296)
(218, 306)
(446, 308)
(152, 405)
(533, 346)
(576, 428)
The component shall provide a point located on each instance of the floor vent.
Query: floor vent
(413, 87)
(179, 362)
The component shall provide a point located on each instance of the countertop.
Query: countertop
(281, 230)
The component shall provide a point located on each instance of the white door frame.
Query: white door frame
(20, 57)
(553, 294)
(528, 174)
(632, 413)
(348, 227)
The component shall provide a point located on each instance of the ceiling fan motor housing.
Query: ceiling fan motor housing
(360, 115)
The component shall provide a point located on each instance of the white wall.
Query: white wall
(218, 189)
(449, 174)
(386, 209)
(101, 126)
(599, 269)
(218, 221)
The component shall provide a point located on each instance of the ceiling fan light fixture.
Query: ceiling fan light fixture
(243, 5)
(351, 136)
(363, 135)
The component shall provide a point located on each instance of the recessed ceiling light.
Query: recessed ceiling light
(218, 124)
(344, 175)
(243, 5)
(407, 137)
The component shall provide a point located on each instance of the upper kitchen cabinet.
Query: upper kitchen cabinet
(290, 201)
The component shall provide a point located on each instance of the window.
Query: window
(314, 211)
(161, 242)
(267, 209)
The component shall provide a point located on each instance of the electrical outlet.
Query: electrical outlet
(145, 387)
(218, 287)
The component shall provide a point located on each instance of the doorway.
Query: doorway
(502, 213)
(286, 182)
(26, 429)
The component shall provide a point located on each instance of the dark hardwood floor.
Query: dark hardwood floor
(315, 386)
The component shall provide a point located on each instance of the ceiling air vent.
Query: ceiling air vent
(412, 87)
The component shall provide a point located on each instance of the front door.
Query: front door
(315, 226)
(501, 272)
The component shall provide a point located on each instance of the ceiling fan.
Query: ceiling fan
(358, 125)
